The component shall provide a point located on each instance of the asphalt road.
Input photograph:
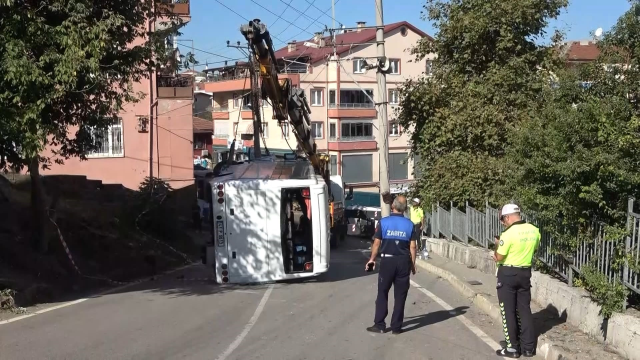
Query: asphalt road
(175, 318)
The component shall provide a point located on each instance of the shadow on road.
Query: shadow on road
(346, 262)
(416, 322)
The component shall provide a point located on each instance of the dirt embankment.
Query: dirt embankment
(105, 234)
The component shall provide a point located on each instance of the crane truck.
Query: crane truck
(276, 220)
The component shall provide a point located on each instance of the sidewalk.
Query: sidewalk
(557, 339)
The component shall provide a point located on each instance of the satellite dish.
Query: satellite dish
(598, 32)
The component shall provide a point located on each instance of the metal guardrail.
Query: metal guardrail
(475, 226)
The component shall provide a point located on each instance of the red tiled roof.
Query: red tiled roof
(201, 125)
(581, 51)
(348, 38)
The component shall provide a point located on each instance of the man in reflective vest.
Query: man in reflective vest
(416, 214)
(395, 240)
(514, 253)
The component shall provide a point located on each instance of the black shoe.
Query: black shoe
(508, 354)
(396, 332)
(529, 353)
(375, 329)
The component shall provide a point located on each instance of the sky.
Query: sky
(213, 22)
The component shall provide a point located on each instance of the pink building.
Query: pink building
(154, 136)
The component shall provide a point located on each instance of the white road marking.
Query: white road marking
(234, 345)
(474, 329)
(74, 302)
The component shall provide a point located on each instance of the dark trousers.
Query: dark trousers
(418, 235)
(393, 271)
(514, 295)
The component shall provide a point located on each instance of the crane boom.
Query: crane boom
(288, 102)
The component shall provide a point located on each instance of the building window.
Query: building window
(236, 101)
(316, 97)
(429, 67)
(394, 66)
(359, 66)
(394, 96)
(398, 166)
(246, 102)
(334, 164)
(265, 130)
(416, 166)
(394, 129)
(356, 131)
(356, 99)
(332, 131)
(221, 129)
(109, 141)
(284, 128)
(332, 97)
(357, 168)
(198, 142)
(316, 130)
(403, 31)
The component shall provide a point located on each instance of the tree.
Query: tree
(67, 70)
(578, 157)
(488, 74)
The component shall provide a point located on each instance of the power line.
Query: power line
(245, 19)
(208, 52)
(298, 34)
(324, 12)
(303, 14)
(282, 14)
(274, 14)
(296, 19)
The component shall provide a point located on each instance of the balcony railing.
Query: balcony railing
(292, 71)
(177, 7)
(217, 78)
(224, 108)
(352, 138)
(221, 136)
(175, 86)
(352, 106)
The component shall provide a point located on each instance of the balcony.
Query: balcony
(227, 83)
(176, 7)
(352, 110)
(353, 143)
(175, 87)
(246, 113)
(220, 113)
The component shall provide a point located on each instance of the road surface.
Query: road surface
(178, 318)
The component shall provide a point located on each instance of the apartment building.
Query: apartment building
(341, 93)
(154, 136)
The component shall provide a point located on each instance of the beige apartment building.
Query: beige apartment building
(340, 93)
(154, 136)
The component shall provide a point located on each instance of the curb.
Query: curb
(545, 348)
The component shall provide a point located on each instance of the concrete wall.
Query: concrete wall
(623, 331)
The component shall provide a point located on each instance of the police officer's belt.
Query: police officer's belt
(519, 267)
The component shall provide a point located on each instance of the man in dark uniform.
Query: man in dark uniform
(396, 242)
(514, 253)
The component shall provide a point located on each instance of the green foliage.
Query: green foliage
(610, 296)
(152, 208)
(68, 68)
(503, 118)
(486, 79)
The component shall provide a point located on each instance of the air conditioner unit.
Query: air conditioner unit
(143, 123)
(205, 153)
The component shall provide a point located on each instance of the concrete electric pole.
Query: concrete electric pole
(383, 132)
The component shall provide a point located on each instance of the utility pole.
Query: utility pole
(255, 105)
(383, 132)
